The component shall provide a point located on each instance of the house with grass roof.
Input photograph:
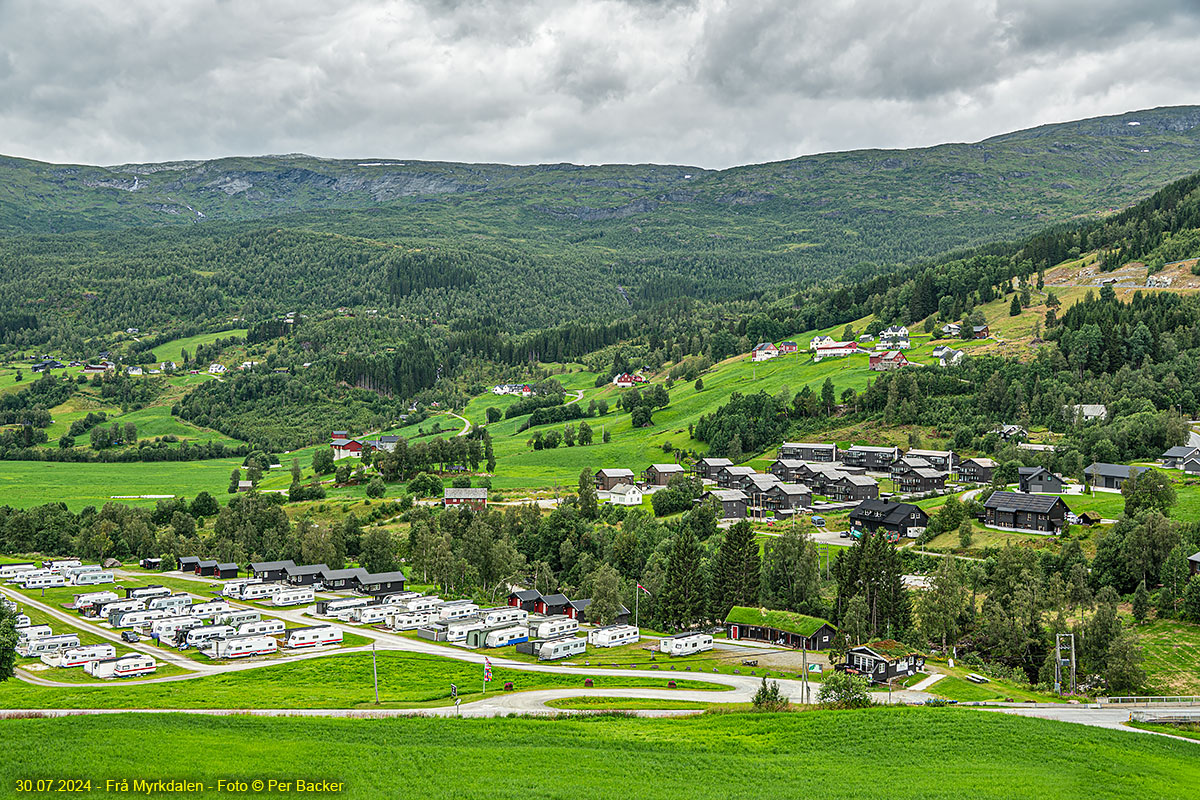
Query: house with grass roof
(883, 661)
(785, 628)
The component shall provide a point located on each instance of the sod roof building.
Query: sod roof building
(779, 627)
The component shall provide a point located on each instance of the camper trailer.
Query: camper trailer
(685, 643)
(400, 619)
(262, 627)
(106, 610)
(507, 636)
(423, 603)
(70, 572)
(399, 598)
(60, 564)
(236, 617)
(457, 630)
(132, 665)
(313, 636)
(492, 617)
(8, 571)
(208, 633)
(174, 628)
(613, 636)
(235, 588)
(457, 609)
(28, 574)
(147, 593)
(22, 621)
(331, 608)
(89, 599)
(293, 597)
(42, 581)
(369, 615)
(260, 591)
(136, 619)
(562, 648)
(241, 647)
(33, 632)
(94, 578)
(35, 648)
(172, 602)
(209, 609)
(557, 627)
(79, 656)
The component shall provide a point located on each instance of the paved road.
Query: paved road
(466, 423)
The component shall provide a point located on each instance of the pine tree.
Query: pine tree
(1015, 309)
(588, 507)
(1141, 602)
(683, 595)
(736, 571)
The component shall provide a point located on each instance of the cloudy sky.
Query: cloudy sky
(711, 83)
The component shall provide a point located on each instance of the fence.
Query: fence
(1150, 701)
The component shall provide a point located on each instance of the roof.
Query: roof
(555, 599)
(342, 442)
(224, 567)
(822, 445)
(885, 511)
(189, 559)
(208, 562)
(1194, 557)
(980, 461)
(791, 463)
(732, 470)
(623, 488)
(858, 480)
(863, 448)
(526, 594)
(382, 577)
(1031, 471)
(468, 493)
(306, 569)
(930, 453)
(342, 574)
(1112, 470)
(1179, 451)
(791, 488)
(1019, 501)
(717, 462)
(264, 566)
(667, 467)
(727, 495)
(787, 621)
(888, 648)
(616, 472)
(580, 605)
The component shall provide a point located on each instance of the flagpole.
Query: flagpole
(637, 596)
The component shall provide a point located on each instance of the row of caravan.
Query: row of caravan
(66, 567)
(100, 660)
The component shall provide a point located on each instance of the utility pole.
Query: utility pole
(375, 670)
(1064, 642)
(804, 666)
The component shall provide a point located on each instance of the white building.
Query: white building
(625, 494)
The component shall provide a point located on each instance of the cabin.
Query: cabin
(524, 598)
(883, 661)
(607, 478)
(150, 563)
(685, 644)
(852, 488)
(625, 494)
(894, 520)
(615, 635)
(816, 452)
(271, 570)
(474, 498)
(1194, 563)
(1110, 476)
(707, 468)
(226, 570)
(206, 568)
(1175, 457)
(764, 351)
(729, 477)
(340, 580)
(1008, 432)
(1042, 513)
(551, 605)
(381, 583)
(876, 459)
(661, 474)
(886, 361)
(787, 497)
(1039, 480)
(977, 470)
(980, 331)
(918, 480)
(779, 627)
(304, 575)
(731, 501)
(187, 563)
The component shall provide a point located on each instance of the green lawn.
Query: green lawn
(335, 681)
(953, 687)
(1172, 656)
(171, 351)
(1187, 731)
(949, 754)
(31, 483)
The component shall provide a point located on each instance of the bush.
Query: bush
(375, 487)
(844, 690)
(769, 697)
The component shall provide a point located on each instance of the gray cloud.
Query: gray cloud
(708, 82)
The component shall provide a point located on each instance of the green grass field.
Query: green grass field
(337, 681)
(1172, 656)
(948, 754)
(31, 483)
(171, 351)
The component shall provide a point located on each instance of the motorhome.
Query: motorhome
(209, 609)
(259, 591)
(147, 593)
(262, 627)
(562, 648)
(331, 608)
(613, 636)
(208, 633)
(369, 615)
(293, 597)
(237, 616)
(89, 599)
(78, 656)
(241, 647)
(22, 621)
(507, 636)
(9, 570)
(172, 602)
(457, 630)
(94, 578)
(557, 627)
(400, 619)
(136, 619)
(35, 648)
(43, 582)
(106, 610)
(131, 665)
(457, 609)
(313, 636)
(235, 588)
(174, 628)
(685, 643)
(492, 617)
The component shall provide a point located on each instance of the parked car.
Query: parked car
(843, 534)
(130, 636)
(818, 521)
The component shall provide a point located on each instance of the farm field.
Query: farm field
(336, 681)
(31, 483)
(1172, 656)
(955, 753)
(172, 351)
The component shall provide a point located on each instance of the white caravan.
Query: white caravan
(613, 636)
(685, 643)
(562, 648)
(241, 647)
(36, 648)
(132, 665)
(557, 627)
(293, 597)
(313, 636)
(79, 656)
(262, 627)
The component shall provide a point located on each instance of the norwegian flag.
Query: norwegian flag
(487, 669)
(644, 589)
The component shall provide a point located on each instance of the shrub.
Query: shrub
(844, 690)
(769, 697)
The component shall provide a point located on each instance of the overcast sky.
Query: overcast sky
(710, 83)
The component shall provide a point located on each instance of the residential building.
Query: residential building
(943, 460)
(756, 483)
(787, 348)
(883, 661)
(889, 360)
(816, 452)
(340, 580)
(894, 337)
(786, 469)
(785, 628)
(345, 448)
(661, 474)
(977, 470)
(787, 497)
(873, 458)
(216, 369)
(732, 502)
(551, 605)
(1039, 480)
(1007, 432)
(378, 584)
(1194, 563)
(1174, 458)
(895, 520)
(270, 571)
(819, 341)
(1191, 465)
(304, 575)
(524, 598)
(850, 488)
(625, 494)
(835, 350)
(952, 330)
(764, 351)
(1110, 476)
(918, 480)
(609, 477)
(474, 498)
(1086, 412)
(947, 356)
(980, 331)
(707, 468)
(729, 477)
(1031, 512)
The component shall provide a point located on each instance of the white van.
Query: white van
(613, 636)
(685, 643)
(562, 648)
